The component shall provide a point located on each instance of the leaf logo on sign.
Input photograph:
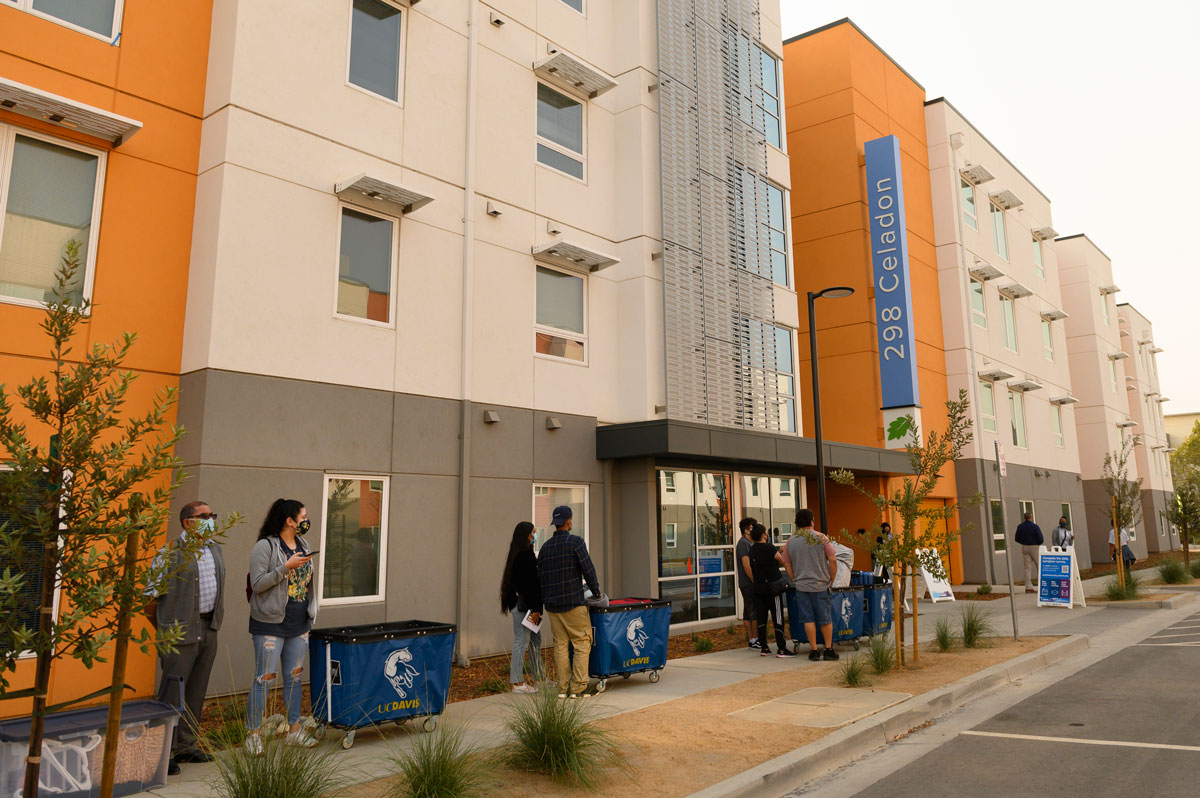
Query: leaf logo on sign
(899, 428)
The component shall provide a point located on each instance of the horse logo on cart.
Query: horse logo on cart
(635, 633)
(399, 671)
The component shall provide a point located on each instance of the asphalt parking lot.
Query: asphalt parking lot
(1127, 725)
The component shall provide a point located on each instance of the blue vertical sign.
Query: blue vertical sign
(889, 261)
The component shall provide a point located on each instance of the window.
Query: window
(773, 501)
(28, 562)
(769, 94)
(1039, 264)
(1016, 410)
(548, 496)
(366, 250)
(695, 564)
(967, 191)
(99, 18)
(785, 379)
(670, 481)
(575, 4)
(978, 305)
(999, 538)
(559, 131)
(1026, 507)
(1112, 374)
(375, 48)
(987, 405)
(753, 486)
(51, 196)
(999, 231)
(354, 539)
(1066, 513)
(1047, 340)
(1104, 308)
(1056, 424)
(1008, 316)
(759, 103)
(561, 315)
(776, 230)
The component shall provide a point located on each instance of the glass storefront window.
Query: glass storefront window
(677, 523)
(695, 545)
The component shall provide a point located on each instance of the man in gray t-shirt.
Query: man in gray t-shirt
(814, 566)
(744, 584)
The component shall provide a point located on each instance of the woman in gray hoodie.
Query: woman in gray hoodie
(283, 606)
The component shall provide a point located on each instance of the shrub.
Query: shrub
(943, 632)
(883, 655)
(492, 685)
(854, 671)
(1173, 572)
(439, 765)
(703, 644)
(283, 771)
(731, 629)
(975, 624)
(1114, 592)
(983, 590)
(1196, 568)
(557, 737)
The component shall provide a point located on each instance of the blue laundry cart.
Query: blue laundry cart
(878, 602)
(629, 636)
(380, 673)
(846, 609)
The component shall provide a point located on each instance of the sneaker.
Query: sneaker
(301, 739)
(830, 655)
(754, 644)
(783, 652)
(173, 767)
(575, 696)
(563, 695)
(814, 656)
(254, 744)
(524, 688)
(765, 652)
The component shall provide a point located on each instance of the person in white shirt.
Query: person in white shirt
(1127, 555)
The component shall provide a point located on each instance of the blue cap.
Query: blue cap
(562, 514)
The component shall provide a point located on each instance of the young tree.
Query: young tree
(913, 548)
(86, 490)
(1125, 495)
(1185, 474)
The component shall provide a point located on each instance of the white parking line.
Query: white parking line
(1119, 743)
(1193, 645)
(1160, 637)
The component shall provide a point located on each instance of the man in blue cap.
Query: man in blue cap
(563, 567)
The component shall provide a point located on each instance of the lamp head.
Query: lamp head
(836, 292)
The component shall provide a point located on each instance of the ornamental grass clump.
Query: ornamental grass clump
(440, 765)
(1113, 591)
(1174, 572)
(882, 656)
(854, 671)
(975, 624)
(1196, 569)
(281, 771)
(558, 737)
(943, 633)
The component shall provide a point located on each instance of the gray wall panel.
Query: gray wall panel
(504, 448)
(425, 432)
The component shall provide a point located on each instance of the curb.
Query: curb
(1174, 602)
(795, 768)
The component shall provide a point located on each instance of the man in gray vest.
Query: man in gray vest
(190, 594)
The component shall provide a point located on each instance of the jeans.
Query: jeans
(574, 628)
(523, 638)
(269, 652)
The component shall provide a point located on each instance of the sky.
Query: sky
(1099, 105)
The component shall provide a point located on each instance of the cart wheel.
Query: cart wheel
(319, 732)
(857, 645)
(626, 675)
(654, 677)
(348, 740)
(601, 685)
(401, 721)
(430, 724)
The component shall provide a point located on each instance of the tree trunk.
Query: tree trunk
(1186, 540)
(112, 732)
(41, 679)
(915, 639)
(898, 601)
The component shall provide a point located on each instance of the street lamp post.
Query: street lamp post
(833, 292)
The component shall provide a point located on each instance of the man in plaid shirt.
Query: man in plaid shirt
(563, 567)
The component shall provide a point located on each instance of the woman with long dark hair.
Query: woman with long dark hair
(283, 606)
(521, 593)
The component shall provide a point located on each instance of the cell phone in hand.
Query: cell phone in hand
(309, 553)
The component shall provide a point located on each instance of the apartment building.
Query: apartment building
(99, 140)
(1099, 362)
(1178, 425)
(1145, 407)
(1006, 345)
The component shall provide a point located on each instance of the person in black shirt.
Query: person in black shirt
(1029, 536)
(521, 593)
(761, 564)
(745, 586)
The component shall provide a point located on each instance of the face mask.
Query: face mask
(534, 542)
(205, 526)
(303, 527)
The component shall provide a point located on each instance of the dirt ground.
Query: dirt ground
(678, 747)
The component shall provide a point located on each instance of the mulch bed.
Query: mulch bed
(979, 596)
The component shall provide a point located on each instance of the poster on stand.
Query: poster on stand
(938, 589)
(1059, 584)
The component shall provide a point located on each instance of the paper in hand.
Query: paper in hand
(530, 625)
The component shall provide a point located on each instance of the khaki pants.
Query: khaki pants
(575, 627)
(1029, 556)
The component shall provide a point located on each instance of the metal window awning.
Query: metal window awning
(1117, 355)
(65, 112)
(367, 188)
(1054, 314)
(995, 374)
(573, 74)
(1044, 233)
(1111, 288)
(1065, 399)
(1127, 423)
(976, 174)
(573, 256)
(1026, 384)
(1014, 290)
(1125, 334)
(1146, 342)
(1162, 399)
(1006, 199)
(1154, 350)
(985, 271)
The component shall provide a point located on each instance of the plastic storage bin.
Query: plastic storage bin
(73, 751)
(629, 636)
(878, 616)
(379, 673)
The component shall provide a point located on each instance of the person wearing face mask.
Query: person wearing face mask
(521, 592)
(283, 606)
(191, 595)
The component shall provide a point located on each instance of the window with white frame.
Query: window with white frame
(1104, 308)
(1026, 509)
(547, 496)
(758, 88)
(785, 378)
(99, 18)
(1039, 265)
(1016, 412)
(1047, 340)
(50, 194)
(978, 304)
(1056, 424)
(560, 131)
(999, 538)
(987, 405)
(366, 252)
(697, 574)
(769, 98)
(1112, 374)
(670, 538)
(26, 561)
(999, 231)
(561, 323)
(575, 4)
(776, 230)
(967, 190)
(354, 539)
(375, 47)
(1008, 316)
